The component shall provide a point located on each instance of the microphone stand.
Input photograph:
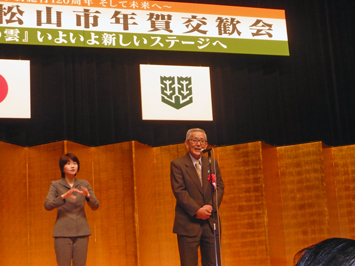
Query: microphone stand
(214, 214)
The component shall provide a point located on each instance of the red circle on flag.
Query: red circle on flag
(4, 88)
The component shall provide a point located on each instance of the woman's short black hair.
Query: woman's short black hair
(66, 158)
(329, 252)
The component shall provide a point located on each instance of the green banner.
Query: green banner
(140, 41)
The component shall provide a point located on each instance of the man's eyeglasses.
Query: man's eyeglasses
(194, 141)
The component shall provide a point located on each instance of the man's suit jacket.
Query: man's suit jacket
(190, 195)
(71, 219)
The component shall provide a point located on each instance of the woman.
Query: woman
(71, 230)
(329, 252)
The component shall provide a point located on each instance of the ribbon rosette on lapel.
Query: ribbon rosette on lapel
(212, 180)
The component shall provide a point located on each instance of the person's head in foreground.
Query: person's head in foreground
(329, 252)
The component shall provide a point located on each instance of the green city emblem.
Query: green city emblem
(176, 91)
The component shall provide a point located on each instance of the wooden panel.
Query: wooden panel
(331, 192)
(156, 205)
(146, 202)
(43, 168)
(344, 169)
(115, 219)
(243, 210)
(276, 233)
(303, 193)
(14, 221)
(85, 156)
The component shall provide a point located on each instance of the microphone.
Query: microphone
(205, 150)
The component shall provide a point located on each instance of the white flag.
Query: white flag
(176, 93)
(15, 100)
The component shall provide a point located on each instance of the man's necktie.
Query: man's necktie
(198, 170)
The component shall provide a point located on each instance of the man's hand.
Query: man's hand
(204, 212)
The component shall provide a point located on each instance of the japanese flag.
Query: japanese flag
(15, 87)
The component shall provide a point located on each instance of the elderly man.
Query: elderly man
(193, 223)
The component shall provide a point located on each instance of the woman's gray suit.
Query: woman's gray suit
(71, 220)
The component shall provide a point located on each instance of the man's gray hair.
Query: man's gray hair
(188, 134)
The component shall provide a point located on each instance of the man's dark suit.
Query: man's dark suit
(191, 196)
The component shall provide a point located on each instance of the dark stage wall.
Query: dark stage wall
(92, 96)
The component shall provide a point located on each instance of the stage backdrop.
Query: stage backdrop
(92, 95)
(277, 201)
